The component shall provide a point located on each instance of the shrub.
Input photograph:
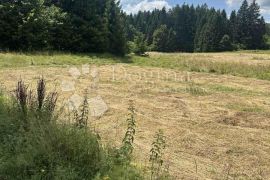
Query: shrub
(140, 45)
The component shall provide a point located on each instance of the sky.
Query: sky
(133, 6)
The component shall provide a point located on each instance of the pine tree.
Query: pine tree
(202, 14)
(164, 39)
(117, 39)
(183, 24)
(243, 25)
(233, 26)
(257, 26)
(161, 39)
(9, 24)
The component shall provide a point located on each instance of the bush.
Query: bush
(140, 45)
(130, 47)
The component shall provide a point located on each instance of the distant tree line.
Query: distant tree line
(199, 29)
(65, 25)
(101, 26)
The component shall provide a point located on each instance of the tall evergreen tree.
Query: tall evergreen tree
(163, 39)
(243, 25)
(202, 13)
(208, 38)
(117, 39)
(233, 26)
(10, 21)
(256, 26)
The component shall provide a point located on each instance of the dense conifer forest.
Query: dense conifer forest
(99, 26)
(200, 29)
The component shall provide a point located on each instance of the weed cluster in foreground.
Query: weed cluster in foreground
(34, 144)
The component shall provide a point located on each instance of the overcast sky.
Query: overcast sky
(133, 6)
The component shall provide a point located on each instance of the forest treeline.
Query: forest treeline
(200, 29)
(101, 26)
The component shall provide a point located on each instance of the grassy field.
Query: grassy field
(246, 64)
(213, 107)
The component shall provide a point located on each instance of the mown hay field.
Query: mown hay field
(214, 108)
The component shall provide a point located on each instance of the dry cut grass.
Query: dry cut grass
(217, 125)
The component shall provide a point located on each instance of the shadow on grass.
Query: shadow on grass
(118, 59)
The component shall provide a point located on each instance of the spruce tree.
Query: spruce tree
(117, 41)
(10, 21)
(256, 26)
(233, 26)
(163, 39)
(243, 25)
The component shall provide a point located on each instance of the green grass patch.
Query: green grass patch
(245, 108)
(200, 63)
(203, 63)
(235, 90)
(177, 61)
(196, 90)
(57, 59)
(225, 89)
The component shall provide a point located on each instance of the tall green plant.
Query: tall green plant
(81, 115)
(128, 140)
(156, 156)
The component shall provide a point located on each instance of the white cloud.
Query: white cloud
(264, 4)
(232, 3)
(133, 6)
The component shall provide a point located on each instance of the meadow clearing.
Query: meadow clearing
(214, 108)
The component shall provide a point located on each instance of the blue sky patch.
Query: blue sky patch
(133, 6)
